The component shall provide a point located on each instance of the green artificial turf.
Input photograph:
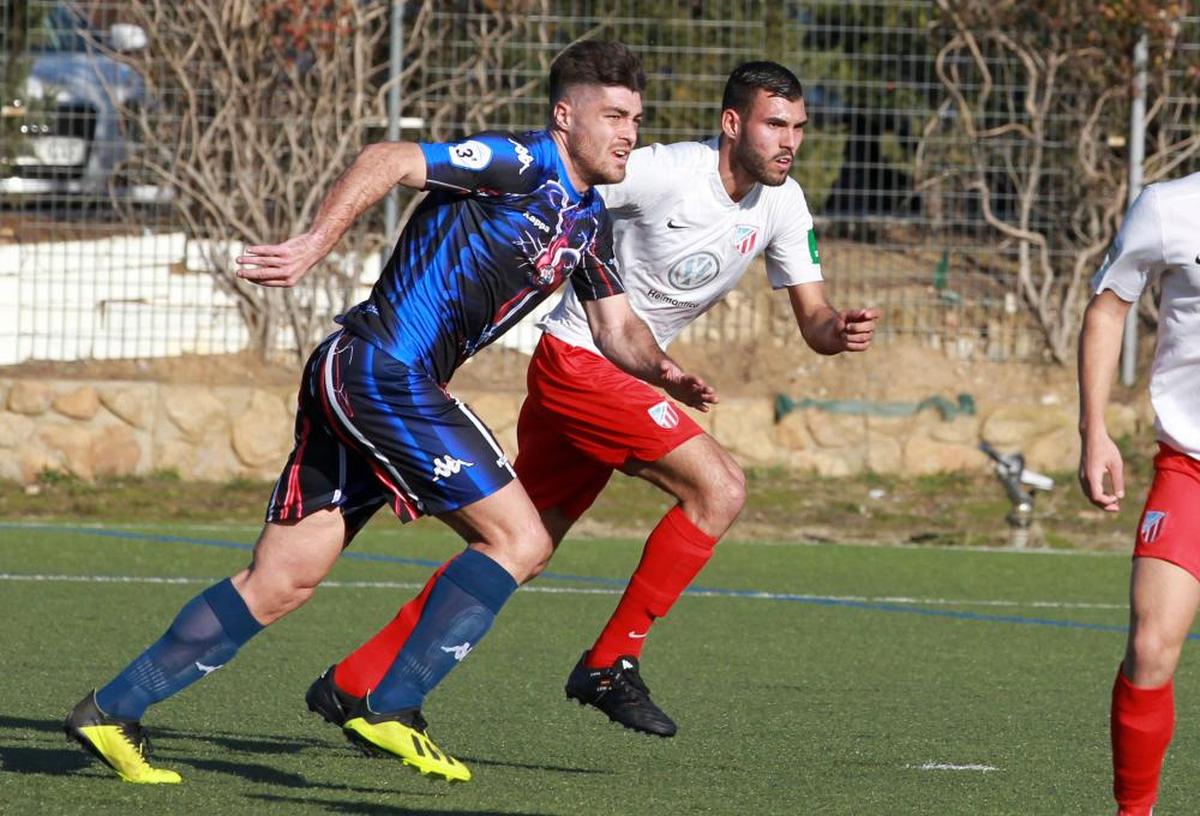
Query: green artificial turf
(806, 679)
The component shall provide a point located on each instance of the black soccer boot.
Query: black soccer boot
(619, 692)
(325, 698)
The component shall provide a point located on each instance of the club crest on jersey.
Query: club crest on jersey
(1152, 525)
(744, 238)
(694, 271)
(471, 155)
(447, 466)
(664, 415)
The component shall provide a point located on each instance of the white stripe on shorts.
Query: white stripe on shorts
(501, 458)
(331, 396)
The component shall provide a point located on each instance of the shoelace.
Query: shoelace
(632, 678)
(136, 736)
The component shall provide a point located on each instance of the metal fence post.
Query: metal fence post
(1137, 154)
(395, 66)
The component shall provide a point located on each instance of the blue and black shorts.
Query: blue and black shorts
(370, 430)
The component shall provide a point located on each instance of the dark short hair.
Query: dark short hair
(594, 62)
(749, 77)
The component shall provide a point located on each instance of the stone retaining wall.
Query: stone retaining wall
(98, 429)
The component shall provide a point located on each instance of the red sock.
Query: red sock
(1142, 722)
(675, 553)
(362, 669)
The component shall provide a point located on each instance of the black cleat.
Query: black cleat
(619, 692)
(325, 698)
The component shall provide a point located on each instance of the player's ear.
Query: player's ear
(560, 114)
(731, 123)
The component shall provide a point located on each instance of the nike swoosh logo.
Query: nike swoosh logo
(672, 225)
(207, 669)
(633, 634)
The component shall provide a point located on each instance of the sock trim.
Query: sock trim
(231, 611)
(482, 578)
(687, 529)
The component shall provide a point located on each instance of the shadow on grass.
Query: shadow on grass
(374, 809)
(50, 761)
(225, 740)
(493, 763)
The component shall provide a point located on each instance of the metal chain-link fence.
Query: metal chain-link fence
(966, 169)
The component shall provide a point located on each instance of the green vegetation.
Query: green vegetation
(952, 509)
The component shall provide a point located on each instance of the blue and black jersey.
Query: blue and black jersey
(501, 228)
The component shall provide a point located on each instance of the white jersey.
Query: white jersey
(683, 244)
(1161, 238)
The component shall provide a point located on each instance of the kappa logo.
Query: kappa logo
(471, 155)
(744, 238)
(664, 415)
(1152, 525)
(537, 222)
(447, 466)
(523, 156)
(460, 651)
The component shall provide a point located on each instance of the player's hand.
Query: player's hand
(687, 388)
(856, 328)
(1099, 458)
(280, 264)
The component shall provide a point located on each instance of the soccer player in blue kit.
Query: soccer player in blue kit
(508, 219)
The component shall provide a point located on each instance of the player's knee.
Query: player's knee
(1151, 658)
(524, 550)
(539, 548)
(271, 597)
(725, 492)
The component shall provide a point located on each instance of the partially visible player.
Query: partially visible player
(1160, 240)
(689, 219)
(509, 218)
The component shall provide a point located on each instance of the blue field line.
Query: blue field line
(871, 606)
(354, 555)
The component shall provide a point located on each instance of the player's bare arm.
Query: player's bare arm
(375, 171)
(826, 330)
(623, 338)
(1099, 349)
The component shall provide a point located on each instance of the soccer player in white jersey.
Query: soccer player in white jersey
(688, 220)
(1160, 239)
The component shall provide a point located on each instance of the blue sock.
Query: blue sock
(459, 612)
(204, 636)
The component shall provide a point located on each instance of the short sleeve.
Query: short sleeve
(596, 276)
(792, 255)
(1136, 252)
(649, 172)
(491, 162)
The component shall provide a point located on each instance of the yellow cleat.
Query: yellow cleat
(120, 744)
(402, 734)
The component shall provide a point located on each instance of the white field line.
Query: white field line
(554, 590)
(945, 766)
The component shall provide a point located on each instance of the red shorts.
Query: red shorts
(1170, 525)
(583, 418)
